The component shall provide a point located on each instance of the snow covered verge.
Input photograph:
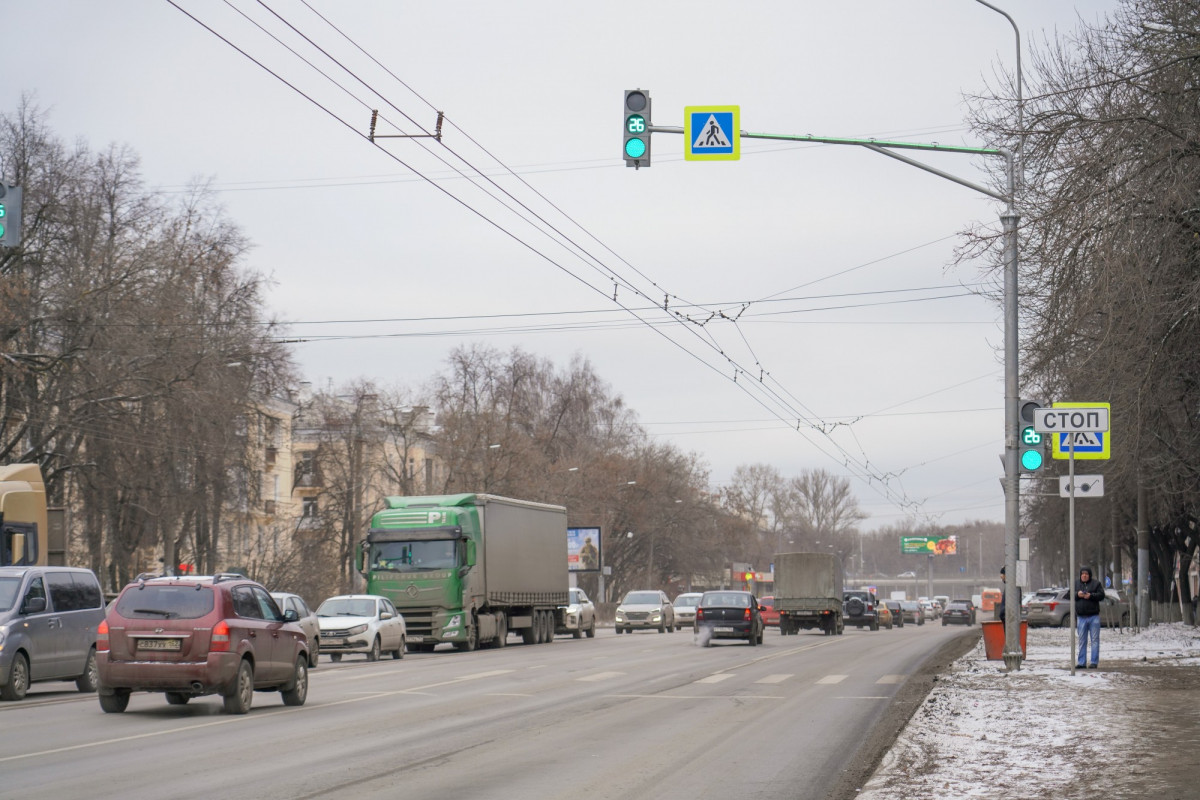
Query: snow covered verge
(1129, 728)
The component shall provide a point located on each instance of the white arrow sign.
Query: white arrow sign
(1085, 486)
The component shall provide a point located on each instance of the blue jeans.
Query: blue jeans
(1088, 627)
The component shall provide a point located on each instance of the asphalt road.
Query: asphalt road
(638, 716)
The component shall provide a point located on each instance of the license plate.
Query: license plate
(158, 644)
(332, 642)
(724, 630)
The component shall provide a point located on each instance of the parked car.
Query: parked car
(579, 615)
(911, 611)
(885, 616)
(685, 609)
(306, 618)
(728, 614)
(897, 613)
(361, 623)
(769, 615)
(647, 609)
(195, 636)
(1049, 608)
(1114, 609)
(48, 622)
(959, 611)
(859, 608)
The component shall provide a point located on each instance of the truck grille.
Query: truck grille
(418, 622)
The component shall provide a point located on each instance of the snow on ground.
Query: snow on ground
(1040, 732)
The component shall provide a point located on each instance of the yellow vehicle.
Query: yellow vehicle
(23, 531)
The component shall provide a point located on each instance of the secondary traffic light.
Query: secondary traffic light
(10, 215)
(637, 128)
(1032, 445)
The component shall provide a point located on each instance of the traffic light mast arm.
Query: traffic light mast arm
(885, 148)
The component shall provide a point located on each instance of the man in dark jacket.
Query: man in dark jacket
(1088, 594)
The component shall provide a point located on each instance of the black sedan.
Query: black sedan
(959, 611)
(728, 614)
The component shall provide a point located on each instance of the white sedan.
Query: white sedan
(578, 616)
(361, 623)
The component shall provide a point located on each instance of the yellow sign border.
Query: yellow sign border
(688, 139)
(1063, 455)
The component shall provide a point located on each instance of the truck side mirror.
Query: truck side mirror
(470, 552)
(361, 558)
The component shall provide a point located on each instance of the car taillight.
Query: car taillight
(870, 607)
(747, 615)
(102, 637)
(220, 638)
(1052, 606)
(699, 613)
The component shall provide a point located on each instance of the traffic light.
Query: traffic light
(637, 128)
(1032, 445)
(10, 215)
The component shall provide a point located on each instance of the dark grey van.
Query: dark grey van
(48, 621)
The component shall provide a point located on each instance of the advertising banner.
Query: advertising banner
(921, 545)
(583, 549)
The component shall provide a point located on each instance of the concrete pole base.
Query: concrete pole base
(1012, 661)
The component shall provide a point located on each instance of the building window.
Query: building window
(309, 509)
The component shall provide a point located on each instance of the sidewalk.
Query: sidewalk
(1128, 729)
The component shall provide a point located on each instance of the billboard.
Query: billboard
(923, 545)
(583, 549)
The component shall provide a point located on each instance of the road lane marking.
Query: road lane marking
(774, 678)
(860, 697)
(891, 679)
(600, 676)
(720, 676)
(833, 679)
(699, 696)
(507, 694)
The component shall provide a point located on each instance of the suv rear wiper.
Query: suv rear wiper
(165, 614)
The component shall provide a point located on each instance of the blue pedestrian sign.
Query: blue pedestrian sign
(712, 133)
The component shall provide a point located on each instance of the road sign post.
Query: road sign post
(1075, 425)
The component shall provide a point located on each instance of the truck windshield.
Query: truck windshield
(412, 556)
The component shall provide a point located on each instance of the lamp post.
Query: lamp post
(1012, 484)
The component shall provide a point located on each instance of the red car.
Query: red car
(194, 636)
(770, 616)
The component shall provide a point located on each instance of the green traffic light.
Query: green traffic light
(2, 209)
(635, 123)
(635, 148)
(1, 231)
(1031, 460)
(1030, 436)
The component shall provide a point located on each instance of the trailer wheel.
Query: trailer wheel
(501, 630)
(548, 616)
(529, 635)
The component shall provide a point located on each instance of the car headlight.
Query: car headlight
(357, 629)
(3, 633)
(455, 621)
(620, 614)
(656, 614)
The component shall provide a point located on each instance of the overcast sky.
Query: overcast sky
(857, 346)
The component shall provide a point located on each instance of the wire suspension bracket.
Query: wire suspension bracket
(437, 130)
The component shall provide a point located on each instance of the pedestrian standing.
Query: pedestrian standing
(1003, 594)
(1088, 594)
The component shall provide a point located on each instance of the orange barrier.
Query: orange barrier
(993, 639)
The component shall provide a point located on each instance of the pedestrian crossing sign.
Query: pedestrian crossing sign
(1084, 445)
(712, 133)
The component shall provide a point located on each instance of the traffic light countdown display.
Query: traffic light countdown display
(1032, 446)
(636, 149)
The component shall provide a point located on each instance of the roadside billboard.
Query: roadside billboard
(924, 545)
(583, 549)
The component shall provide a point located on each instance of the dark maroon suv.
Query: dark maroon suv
(196, 636)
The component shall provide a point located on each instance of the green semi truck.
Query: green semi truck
(469, 569)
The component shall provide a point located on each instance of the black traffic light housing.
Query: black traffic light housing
(10, 215)
(636, 148)
(1031, 445)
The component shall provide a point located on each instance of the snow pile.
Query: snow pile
(1041, 732)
